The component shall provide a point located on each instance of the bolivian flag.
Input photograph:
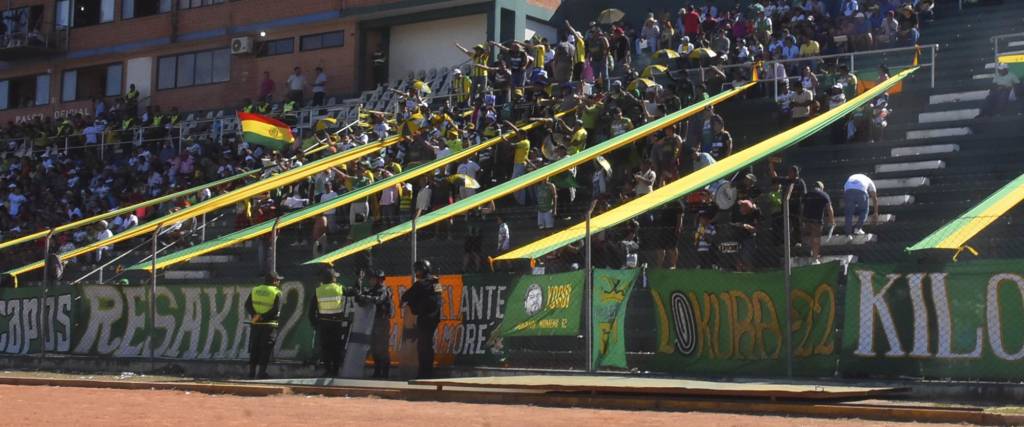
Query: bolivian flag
(265, 131)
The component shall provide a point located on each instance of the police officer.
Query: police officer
(326, 313)
(424, 299)
(264, 308)
(380, 296)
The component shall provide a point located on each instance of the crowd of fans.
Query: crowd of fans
(613, 77)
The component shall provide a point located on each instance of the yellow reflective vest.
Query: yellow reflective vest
(330, 298)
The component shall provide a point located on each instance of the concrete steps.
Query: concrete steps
(939, 133)
(910, 166)
(845, 240)
(900, 183)
(825, 259)
(947, 98)
(924, 149)
(948, 116)
(187, 275)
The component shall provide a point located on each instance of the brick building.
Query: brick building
(57, 55)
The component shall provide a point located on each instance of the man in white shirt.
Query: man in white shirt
(856, 193)
(296, 83)
(319, 85)
(330, 194)
(14, 202)
(1003, 84)
(103, 233)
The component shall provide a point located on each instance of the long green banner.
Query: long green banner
(959, 321)
(610, 299)
(720, 323)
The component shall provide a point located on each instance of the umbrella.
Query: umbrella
(610, 16)
(635, 84)
(666, 54)
(466, 181)
(651, 69)
(421, 87)
(325, 122)
(701, 53)
(603, 163)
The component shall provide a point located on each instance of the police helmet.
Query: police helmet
(422, 266)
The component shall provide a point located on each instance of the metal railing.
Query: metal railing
(997, 41)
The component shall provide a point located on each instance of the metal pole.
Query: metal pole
(103, 141)
(933, 66)
(202, 231)
(152, 292)
(272, 263)
(787, 267)
(853, 63)
(413, 257)
(47, 249)
(588, 297)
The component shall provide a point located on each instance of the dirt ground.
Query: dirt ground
(28, 405)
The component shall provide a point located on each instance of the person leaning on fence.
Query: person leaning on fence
(381, 298)
(264, 308)
(326, 313)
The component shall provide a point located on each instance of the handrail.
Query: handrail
(996, 39)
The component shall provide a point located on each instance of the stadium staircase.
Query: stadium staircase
(937, 158)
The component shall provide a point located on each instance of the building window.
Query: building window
(92, 82)
(322, 41)
(91, 12)
(276, 47)
(21, 21)
(192, 4)
(23, 92)
(140, 8)
(194, 69)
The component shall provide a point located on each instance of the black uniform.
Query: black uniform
(424, 299)
(263, 336)
(380, 296)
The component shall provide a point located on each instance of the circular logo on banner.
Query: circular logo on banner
(534, 299)
(685, 323)
(275, 133)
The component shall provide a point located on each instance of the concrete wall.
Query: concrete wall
(426, 45)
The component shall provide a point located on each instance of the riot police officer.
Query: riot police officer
(380, 296)
(424, 299)
(264, 308)
(326, 313)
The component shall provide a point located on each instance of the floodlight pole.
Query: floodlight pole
(412, 258)
(272, 263)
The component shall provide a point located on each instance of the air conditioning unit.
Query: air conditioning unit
(241, 45)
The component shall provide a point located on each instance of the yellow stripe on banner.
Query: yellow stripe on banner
(265, 130)
(698, 179)
(988, 216)
(1011, 59)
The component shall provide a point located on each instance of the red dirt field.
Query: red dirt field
(29, 405)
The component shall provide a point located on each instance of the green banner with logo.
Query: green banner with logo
(959, 321)
(31, 321)
(546, 305)
(201, 322)
(612, 289)
(723, 323)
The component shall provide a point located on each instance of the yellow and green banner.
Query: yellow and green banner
(610, 298)
(513, 185)
(701, 178)
(954, 236)
(722, 323)
(548, 305)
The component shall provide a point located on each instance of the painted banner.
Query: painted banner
(958, 321)
(546, 305)
(610, 299)
(722, 323)
(202, 322)
(26, 328)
